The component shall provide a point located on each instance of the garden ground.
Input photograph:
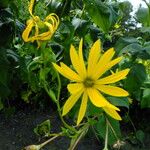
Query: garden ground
(17, 132)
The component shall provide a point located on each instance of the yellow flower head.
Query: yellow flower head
(88, 81)
(51, 23)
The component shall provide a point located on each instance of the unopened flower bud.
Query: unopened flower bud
(32, 147)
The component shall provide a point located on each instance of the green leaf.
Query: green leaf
(81, 26)
(54, 6)
(43, 73)
(4, 3)
(135, 79)
(25, 95)
(43, 129)
(145, 29)
(132, 48)
(142, 16)
(123, 42)
(66, 33)
(119, 101)
(103, 15)
(113, 126)
(92, 110)
(145, 103)
(136, 49)
(52, 94)
(7, 27)
(147, 84)
(140, 135)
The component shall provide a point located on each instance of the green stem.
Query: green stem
(56, 100)
(49, 94)
(49, 140)
(82, 133)
(106, 137)
(58, 105)
(112, 129)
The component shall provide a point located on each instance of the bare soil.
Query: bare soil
(16, 132)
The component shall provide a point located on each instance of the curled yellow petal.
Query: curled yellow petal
(51, 22)
(31, 4)
(26, 32)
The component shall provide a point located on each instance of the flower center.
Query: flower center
(88, 82)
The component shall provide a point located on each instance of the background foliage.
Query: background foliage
(21, 73)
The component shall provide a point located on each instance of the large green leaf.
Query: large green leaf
(101, 14)
(92, 110)
(114, 133)
(4, 3)
(132, 45)
(135, 79)
(137, 50)
(81, 26)
(142, 16)
(123, 42)
(119, 101)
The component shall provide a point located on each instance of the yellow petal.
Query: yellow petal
(26, 32)
(71, 102)
(82, 108)
(31, 6)
(70, 72)
(34, 37)
(114, 77)
(113, 62)
(75, 60)
(75, 87)
(98, 100)
(113, 113)
(112, 90)
(46, 35)
(109, 65)
(67, 72)
(54, 18)
(81, 60)
(102, 63)
(36, 30)
(93, 58)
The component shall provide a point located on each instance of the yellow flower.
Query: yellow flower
(88, 81)
(51, 23)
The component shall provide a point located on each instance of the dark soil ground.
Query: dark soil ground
(16, 132)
